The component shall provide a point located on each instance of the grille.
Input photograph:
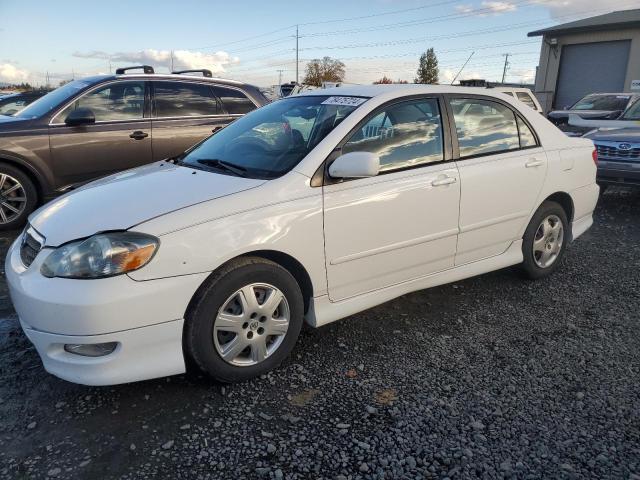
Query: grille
(611, 151)
(30, 247)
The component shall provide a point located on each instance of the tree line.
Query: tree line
(327, 69)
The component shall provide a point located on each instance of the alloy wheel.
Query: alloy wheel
(13, 198)
(251, 324)
(548, 240)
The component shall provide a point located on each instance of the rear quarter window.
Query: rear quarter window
(235, 102)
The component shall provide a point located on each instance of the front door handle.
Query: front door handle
(443, 181)
(138, 135)
(533, 163)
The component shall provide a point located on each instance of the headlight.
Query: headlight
(103, 255)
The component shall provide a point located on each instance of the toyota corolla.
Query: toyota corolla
(312, 208)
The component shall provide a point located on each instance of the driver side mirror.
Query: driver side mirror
(355, 165)
(80, 116)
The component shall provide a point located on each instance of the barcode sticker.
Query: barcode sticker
(347, 101)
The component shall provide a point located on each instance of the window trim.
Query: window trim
(454, 134)
(321, 177)
(145, 112)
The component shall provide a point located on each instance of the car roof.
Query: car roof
(399, 90)
(163, 76)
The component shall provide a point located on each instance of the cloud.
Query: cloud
(524, 75)
(487, 7)
(12, 74)
(182, 59)
(561, 8)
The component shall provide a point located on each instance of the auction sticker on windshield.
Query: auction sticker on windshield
(349, 101)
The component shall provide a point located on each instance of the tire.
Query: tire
(603, 188)
(15, 184)
(543, 247)
(214, 336)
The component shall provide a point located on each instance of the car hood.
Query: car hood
(631, 135)
(586, 114)
(123, 200)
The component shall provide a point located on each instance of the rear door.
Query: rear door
(502, 170)
(184, 114)
(119, 139)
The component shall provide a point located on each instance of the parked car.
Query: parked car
(619, 151)
(596, 106)
(95, 126)
(12, 104)
(524, 95)
(313, 208)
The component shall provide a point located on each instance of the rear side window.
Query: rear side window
(176, 99)
(484, 127)
(234, 101)
(402, 135)
(524, 97)
(527, 138)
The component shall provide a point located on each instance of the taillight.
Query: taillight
(594, 155)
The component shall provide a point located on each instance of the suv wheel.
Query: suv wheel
(244, 321)
(545, 240)
(18, 197)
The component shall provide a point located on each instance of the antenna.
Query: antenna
(465, 64)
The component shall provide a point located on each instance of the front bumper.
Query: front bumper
(618, 173)
(144, 318)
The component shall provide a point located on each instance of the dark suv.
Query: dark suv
(95, 126)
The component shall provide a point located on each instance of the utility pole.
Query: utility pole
(297, 56)
(172, 60)
(279, 76)
(109, 59)
(506, 64)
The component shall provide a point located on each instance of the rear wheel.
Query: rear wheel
(545, 240)
(244, 321)
(18, 197)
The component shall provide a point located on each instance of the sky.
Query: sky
(254, 41)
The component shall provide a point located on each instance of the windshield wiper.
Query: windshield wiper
(222, 165)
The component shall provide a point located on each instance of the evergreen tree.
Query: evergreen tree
(428, 68)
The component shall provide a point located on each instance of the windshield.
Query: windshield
(51, 100)
(272, 140)
(633, 113)
(602, 102)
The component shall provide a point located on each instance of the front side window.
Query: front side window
(402, 135)
(272, 140)
(176, 99)
(526, 98)
(116, 101)
(633, 112)
(484, 127)
(234, 101)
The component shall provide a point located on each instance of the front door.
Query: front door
(402, 223)
(502, 170)
(184, 114)
(119, 139)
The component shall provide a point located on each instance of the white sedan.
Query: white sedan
(312, 208)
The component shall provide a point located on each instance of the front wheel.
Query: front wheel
(545, 240)
(18, 197)
(244, 321)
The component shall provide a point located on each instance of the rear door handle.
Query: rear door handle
(138, 135)
(443, 181)
(533, 163)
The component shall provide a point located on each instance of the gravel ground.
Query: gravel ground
(492, 377)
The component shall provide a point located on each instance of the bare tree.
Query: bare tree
(387, 80)
(323, 70)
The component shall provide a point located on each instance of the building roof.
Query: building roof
(608, 21)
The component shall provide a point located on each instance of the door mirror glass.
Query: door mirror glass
(355, 165)
(80, 116)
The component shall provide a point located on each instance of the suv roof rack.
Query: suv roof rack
(205, 72)
(145, 69)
